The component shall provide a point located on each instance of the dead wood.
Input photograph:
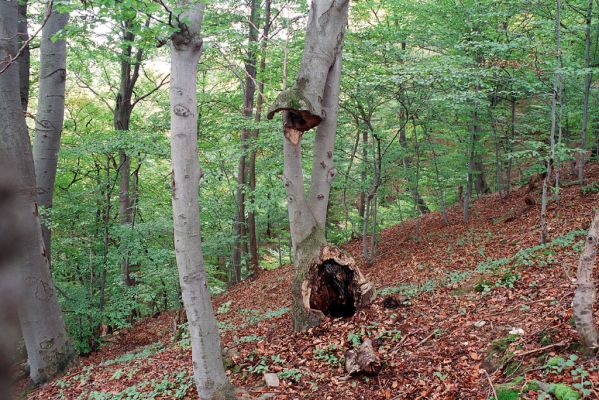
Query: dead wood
(334, 284)
(363, 360)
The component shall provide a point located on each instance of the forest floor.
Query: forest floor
(483, 308)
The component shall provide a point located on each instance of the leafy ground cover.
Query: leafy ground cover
(485, 311)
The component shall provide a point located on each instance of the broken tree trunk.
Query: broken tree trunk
(326, 282)
(584, 297)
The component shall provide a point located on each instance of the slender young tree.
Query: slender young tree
(588, 77)
(240, 227)
(50, 111)
(48, 347)
(555, 102)
(252, 234)
(313, 101)
(186, 48)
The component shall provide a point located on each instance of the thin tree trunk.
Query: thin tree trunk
(584, 296)
(50, 113)
(587, 90)
(407, 163)
(363, 173)
(48, 347)
(554, 116)
(509, 145)
(438, 183)
(252, 232)
(469, 182)
(129, 74)
(248, 109)
(25, 59)
(186, 47)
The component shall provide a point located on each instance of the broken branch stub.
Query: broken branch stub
(334, 285)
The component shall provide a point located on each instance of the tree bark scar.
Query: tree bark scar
(173, 189)
(181, 110)
(293, 135)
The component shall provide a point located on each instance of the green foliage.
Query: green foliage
(328, 354)
(293, 373)
(139, 354)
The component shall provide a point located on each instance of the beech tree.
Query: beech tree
(186, 49)
(313, 102)
(48, 347)
(50, 110)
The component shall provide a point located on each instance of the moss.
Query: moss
(507, 394)
(503, 343)
(564, 392)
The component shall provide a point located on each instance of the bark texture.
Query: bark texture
(186, 48)
(48, 347)
(316, 96)
(50, 112)
(585, 294)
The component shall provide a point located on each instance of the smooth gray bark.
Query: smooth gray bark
(186, 48)
(48, 347)
(584, 296)
(50, 112)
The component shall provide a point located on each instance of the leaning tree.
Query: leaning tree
(186, 49)
(326, 282)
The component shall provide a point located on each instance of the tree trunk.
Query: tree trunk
(186, 48)
(363, 174)
(555, 99)
(255, 261)
(121, 120)
(324, 277)
(25, 58)
(48, 347)
(587, 90)
(407, 164)
(469, 183)
(248, 109)
(50, 113)
(584, 296)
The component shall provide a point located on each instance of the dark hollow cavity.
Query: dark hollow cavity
(332, 290)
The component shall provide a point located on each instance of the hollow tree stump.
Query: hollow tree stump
(334, 285)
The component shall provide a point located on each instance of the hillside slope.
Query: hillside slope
(462, 289)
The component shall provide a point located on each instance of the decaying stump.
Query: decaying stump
(364, 360)
(334, 285)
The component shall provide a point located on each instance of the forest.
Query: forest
(383, 199)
